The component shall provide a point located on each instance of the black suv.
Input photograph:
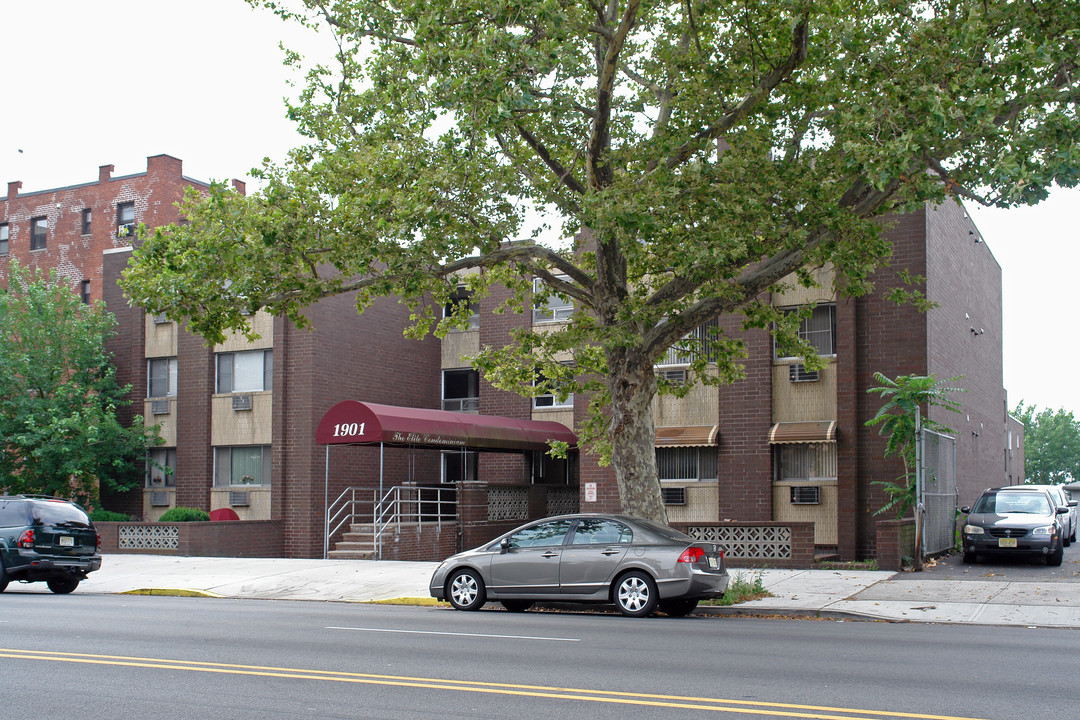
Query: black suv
(46, 538)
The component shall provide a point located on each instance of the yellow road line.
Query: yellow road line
(809, 712)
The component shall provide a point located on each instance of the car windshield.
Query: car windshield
(1006, 503)
(49, 512)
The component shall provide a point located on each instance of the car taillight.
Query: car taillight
(99, 541)
(691, 554)
(26, 540)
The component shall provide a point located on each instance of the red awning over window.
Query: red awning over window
(351, 422)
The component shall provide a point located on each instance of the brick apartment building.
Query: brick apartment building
(239, 419)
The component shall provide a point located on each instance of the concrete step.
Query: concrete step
(361, 546)
(351, 555)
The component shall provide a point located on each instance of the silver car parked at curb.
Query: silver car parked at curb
(637, 565)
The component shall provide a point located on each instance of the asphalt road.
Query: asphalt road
(1016, 568)
(118, 657)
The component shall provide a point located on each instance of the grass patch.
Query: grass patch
(742, 587)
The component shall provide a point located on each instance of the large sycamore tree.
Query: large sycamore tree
(681, 157)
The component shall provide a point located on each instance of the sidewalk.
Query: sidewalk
(872, 595)
(866, 595)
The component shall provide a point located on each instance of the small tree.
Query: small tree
(59, 434)
(904, 397)
(1051, 444)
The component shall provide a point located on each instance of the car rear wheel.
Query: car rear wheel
(3, 577)
(635, 594)
(62, 586)
(678, 607)
(517, 605)
(465, 590)
(1054, 559)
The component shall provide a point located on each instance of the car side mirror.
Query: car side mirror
(966, 510)
(1063, 511)
(504, 546)
(1073, 503)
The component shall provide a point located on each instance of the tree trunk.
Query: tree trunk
(633, 438)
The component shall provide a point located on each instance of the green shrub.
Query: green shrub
(184, 514)
(100, 515)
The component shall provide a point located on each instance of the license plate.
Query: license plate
(67, 541)
(1007, 542)
(713, 563)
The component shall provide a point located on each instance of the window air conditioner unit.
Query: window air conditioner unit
(160, 319)
(241, 402)
(674, 495)
(676, 376)
(806, 495)
(159, 407)
(797, 372)
(239, 499)
(160, 498)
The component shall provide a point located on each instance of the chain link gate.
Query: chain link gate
(936, 490)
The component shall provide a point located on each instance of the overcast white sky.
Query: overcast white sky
(114, 81)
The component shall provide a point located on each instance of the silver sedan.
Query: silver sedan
(638, 565)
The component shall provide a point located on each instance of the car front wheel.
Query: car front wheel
(62, 586)
(635, 594)
(1054, 559)
(465, 590)
(3, 577)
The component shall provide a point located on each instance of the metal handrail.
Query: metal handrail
(402, 503)
(413, 503)
(343, 512)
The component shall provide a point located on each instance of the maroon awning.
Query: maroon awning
(351, 422)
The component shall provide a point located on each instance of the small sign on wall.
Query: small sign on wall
(590, 492)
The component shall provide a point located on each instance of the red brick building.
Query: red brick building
(69, 228)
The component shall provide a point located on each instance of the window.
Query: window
(242, 465)
(458, 466)
(86, 221)
(461, 390)
(161, 468)
(542, 535)
(125, 219)
(554, 309)
(687, 463)
(161, 377)
(594, 531)
(549, 396)
(548, 470)
(4, 238)
(39, 232)
(249, 371)
(84, 292)
(461, 301)
(819, 330)
(802, 461)
(702, 341)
